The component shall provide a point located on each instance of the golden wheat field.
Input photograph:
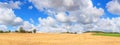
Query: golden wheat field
(56, 39)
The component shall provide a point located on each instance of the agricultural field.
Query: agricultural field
(59, 22)
(56, 39)
(108, 34)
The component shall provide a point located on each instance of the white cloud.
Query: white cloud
(27, 26)
(78, 9)
(11, 4)
(49, 25)
(62, 17)
(3, 27)
(114, 7)
(77, 28)
(47, 21)
(108, 25)
(88, 15)
(30, 7)
(32, 21)
(81, 14)
(61, 5)
(7, 16)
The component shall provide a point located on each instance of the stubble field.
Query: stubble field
(56, 39)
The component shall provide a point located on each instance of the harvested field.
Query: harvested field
(56, 39)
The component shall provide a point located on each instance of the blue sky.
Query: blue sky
(28, 11)
(103, 5)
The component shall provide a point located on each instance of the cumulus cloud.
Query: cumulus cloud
(61, 5)
(7, 16)
(30, 7)
(49, 25)
(27, 26)
(88, 15)
(108, 25)
(11, 4)
(3, 27)
(49, 21)
(114, 7)
(80, 14)
(62, 17)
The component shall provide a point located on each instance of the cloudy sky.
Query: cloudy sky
(60, 15)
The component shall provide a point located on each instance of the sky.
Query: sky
(58, 16)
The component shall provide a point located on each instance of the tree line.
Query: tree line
(20, 30)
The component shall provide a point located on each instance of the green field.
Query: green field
(108, 34)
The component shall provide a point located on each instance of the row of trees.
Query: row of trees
(1, 31)
(70, 32)
(21, 30)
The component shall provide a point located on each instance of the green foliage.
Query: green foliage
(9, 31)
(93, 32)
(113, 32)
(75, 33)
(21, 30)
(1, 31)
(28, 31)
(67, 32)
(6, 32)
(70, 32)
(34, 31)
(108, 34)
(16, 31)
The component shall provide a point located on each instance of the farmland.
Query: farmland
(56, 39)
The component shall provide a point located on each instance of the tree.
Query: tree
(1, 31)
(21, 30)
(9, 31)
(34, 31)
(16, 31)
(74, 32)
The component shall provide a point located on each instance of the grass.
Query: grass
(100, 33)
(108, 34)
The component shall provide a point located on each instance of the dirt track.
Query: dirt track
(57, 39)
